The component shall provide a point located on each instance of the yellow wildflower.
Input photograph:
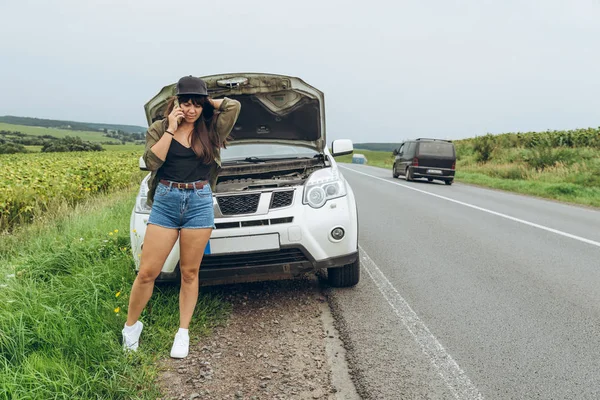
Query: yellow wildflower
(117, 309)
(118, 294)
(116, 231)
(110, 233)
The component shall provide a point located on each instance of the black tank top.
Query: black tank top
(182, 165)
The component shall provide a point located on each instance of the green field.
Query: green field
(34, 149)
(90, 136)
(108, 147)
(134, 148)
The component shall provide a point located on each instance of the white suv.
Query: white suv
(282, 206)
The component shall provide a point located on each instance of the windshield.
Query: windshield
(443, 149)
(263, 151)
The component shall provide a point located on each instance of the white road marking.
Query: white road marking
(454, 377)
(522, 221)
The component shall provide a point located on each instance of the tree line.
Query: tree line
(12, 142)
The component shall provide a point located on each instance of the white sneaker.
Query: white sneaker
(181, 345)
(131, 336)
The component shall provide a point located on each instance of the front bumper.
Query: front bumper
(250, 272)
(304, 235)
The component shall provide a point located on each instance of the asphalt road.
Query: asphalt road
(470, 293)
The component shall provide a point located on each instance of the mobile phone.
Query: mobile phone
(176, 104)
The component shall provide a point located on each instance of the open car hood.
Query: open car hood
(275, 108)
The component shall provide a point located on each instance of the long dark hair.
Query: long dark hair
(204, 140)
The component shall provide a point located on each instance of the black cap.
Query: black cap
(191, 85)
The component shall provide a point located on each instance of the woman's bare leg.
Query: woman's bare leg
(192, 244)
(158, 243)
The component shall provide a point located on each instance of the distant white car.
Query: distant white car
(282, 207)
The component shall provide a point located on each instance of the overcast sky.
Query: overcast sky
(390, 70)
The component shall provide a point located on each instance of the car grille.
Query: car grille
(240, 204)
(282, 256)
(282, 199)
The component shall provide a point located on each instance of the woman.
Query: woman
(182, 153)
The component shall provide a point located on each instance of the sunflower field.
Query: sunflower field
(32, 184)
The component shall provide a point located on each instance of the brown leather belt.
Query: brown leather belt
(191, 185)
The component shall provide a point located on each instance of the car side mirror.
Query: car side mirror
(395, 152)
(341, 147)
(142, 164)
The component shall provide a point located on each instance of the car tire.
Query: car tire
(394, 173)
(408, 174)
(448, 182)
(345, 276)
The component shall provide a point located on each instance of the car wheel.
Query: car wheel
(394, 173)
(448, 182)
(345, 276)
(408, 174)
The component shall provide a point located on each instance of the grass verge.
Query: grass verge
(64, 288)
(561, 191)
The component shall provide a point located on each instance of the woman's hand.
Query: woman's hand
(174, 118)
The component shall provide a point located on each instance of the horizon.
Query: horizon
(360, 142)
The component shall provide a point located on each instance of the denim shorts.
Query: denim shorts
(182, 208)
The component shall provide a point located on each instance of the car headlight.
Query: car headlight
(322, 185)
(140, 201)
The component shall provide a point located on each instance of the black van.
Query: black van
(426, 158)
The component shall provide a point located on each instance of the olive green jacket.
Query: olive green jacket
(223, 122)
